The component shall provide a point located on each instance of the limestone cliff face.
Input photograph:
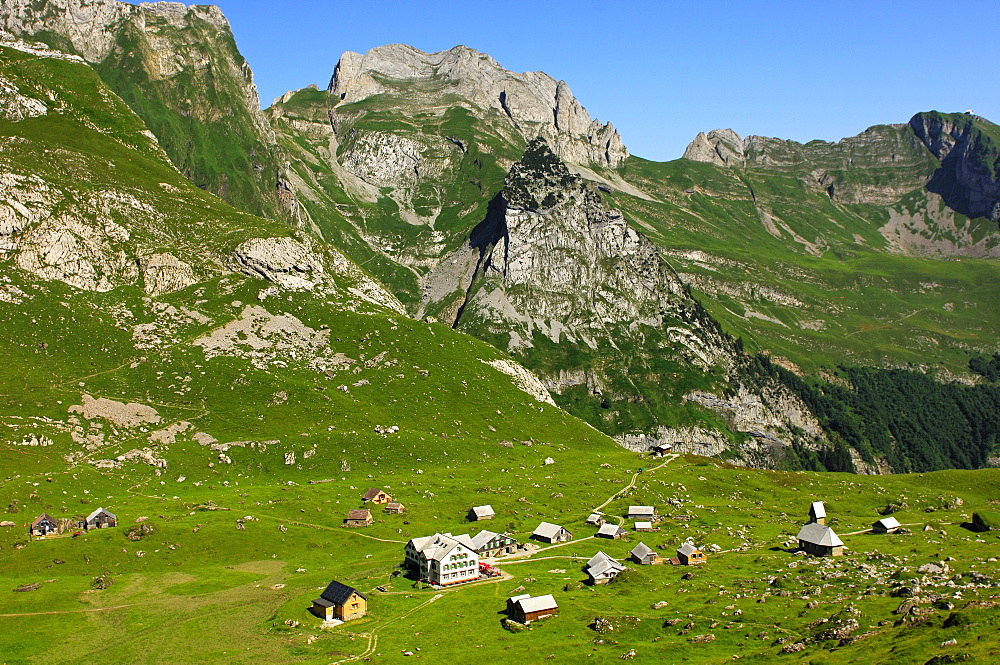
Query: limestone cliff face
(969, 176)
(561, 274)
(178, 67)
(534, 102)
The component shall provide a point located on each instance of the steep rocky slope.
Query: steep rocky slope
(179, 69)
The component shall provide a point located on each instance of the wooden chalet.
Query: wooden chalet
(394, 508)
(689, 555)
(645, 526)
(359, 517)
(820, 540)
(887, 525)
(477, 513)
(526, 609)
(340, 601)
(817, 512)
(645, 556)
(551, 533)
(376, 495)
(100, 519)
(490, 544)
(661, 449)
(43, 525)
(595, 519)
(611, 531)
(647, 513)
(601, 569)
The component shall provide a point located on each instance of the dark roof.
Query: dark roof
(372, 493)
(323, 602)
(338, 593)
(359, 514)
(45, 517)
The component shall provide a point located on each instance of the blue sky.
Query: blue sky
(663, 71)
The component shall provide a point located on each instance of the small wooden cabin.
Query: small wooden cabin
(394, 508)
(359, 517)
(340, 601)
(551, 533)
(644, 555)
(595, 519)
(601, 568)
(43, 525)
(611, 531)
(645, 526)
(647, 513)
(477, 513)
(376, 495)
(528, 609)
(100, 519)
(689, 555)
(887, 525)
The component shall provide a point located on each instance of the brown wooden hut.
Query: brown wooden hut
(359, 517)
(340, 601)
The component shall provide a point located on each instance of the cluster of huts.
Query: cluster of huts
(819, 539)
(45, 524)
(362, 517)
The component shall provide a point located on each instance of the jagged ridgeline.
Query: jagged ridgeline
(147, 325)
(178, 68)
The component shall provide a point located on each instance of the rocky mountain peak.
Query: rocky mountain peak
(534, 102)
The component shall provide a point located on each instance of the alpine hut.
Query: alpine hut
(359, 517)
(43, 525)
(602, 569)
(817, 512)
(527, 609)
(376, 495)
(643, 555)
(477, 513)
(551, 533)
(887, 525)
(100, 519)
(340, 601)
(611, 531)
(689, 555)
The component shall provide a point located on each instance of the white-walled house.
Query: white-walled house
(443, 559)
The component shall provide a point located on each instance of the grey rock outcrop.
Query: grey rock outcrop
(969, 176)
(534, 102)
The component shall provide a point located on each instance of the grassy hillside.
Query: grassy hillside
(806, 278)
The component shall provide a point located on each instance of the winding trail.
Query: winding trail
(372, 635)
(635, 477)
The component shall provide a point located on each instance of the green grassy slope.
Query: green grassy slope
(291, 403)
(825, 290)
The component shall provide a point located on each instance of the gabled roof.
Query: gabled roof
(338, 593)
(359, 514)
(594, 517)
(643, 525)
(889, 523)
(641, 551)
(514, 599)
(818, 509)
(439, 545)
(610, 530)
(483, 537)
(394, 505)
(641, 510)
(546, 530)
(819, 534)
(537, 604)
(482, 511)
(372, 493)
(687, 549)
(605, 566)
(46, 517)
(598, 558)
(98, 512)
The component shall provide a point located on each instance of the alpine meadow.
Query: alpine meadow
(424, 363)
